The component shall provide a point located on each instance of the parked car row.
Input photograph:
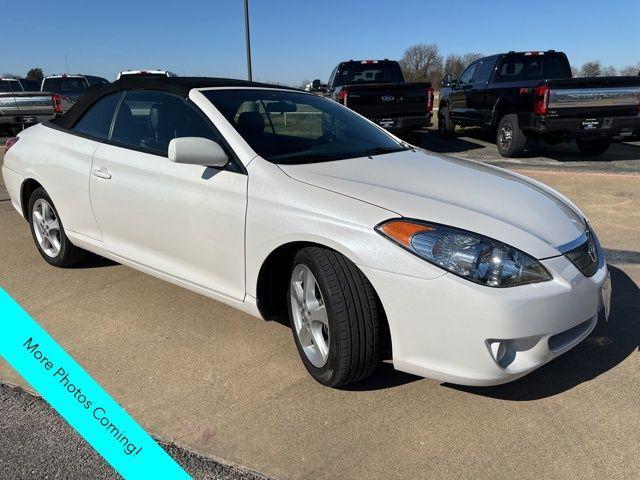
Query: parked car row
(25, 102)
(523, 96)
(22, 105)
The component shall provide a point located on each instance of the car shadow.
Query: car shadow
(607, 346)
(94, 261)
(385, 376)
(429, 140)
(474, 138)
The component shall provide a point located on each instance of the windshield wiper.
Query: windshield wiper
(382, 150)
(307, 158)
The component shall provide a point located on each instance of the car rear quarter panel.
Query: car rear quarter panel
(61, 163)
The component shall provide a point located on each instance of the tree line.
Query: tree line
(425, 63)
(35, 73)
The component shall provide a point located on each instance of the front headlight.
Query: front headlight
(469, 255)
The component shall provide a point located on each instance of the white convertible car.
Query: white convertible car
(280, 202)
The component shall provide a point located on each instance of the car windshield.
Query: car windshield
(294, 127)
(357, 72)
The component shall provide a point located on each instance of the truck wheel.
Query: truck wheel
(446, 127)
(48, 232)
(510, 140)
(592, 148)
(334, 317)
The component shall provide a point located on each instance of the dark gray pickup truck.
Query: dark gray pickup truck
(376, 89)
(20, 109)
(532, 95)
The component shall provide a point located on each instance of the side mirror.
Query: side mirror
(316, 85)
(197, 151)
(447, 81)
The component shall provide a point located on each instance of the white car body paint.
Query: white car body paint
(214, 236)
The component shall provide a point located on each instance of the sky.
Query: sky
(297, 40)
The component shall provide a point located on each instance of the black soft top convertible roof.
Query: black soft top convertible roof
(177, 85)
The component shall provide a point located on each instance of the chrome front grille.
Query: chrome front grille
(585, 256)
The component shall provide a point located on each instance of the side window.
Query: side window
(149, 120)
(484, 71)
(96, 121)
(510, 71)
(467, 75)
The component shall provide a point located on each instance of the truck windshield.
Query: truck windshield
(293, 127)
(65, 85)
(357, 72)
(515, 68)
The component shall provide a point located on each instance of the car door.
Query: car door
(184, 221)
(461, 92)
(479, 108)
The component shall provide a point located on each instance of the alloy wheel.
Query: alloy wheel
(310, 319)
(46, 227)
(506, 135)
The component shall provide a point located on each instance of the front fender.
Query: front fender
(282, 210)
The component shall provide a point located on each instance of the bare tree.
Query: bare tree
(9, 75)
(469, 58)
(304, 83)
(453, 65)
(631, 70)
(422, 63)
(591, 69)
(609, 71)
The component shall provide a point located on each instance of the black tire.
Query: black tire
(68, 253)
(353, 314)
(593, 148)
(510, 140)
(446, 127)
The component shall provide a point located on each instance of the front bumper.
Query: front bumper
(446, 328)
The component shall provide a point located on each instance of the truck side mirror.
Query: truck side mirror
(446, 81)
(316, 85)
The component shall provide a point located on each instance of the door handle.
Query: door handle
(101, 172)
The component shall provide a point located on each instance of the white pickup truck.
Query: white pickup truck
(20, 109)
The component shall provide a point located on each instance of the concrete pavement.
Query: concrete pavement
(199, 373)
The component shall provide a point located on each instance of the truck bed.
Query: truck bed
(600, 96)
(22, 109)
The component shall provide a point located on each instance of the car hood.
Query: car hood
(466, 194)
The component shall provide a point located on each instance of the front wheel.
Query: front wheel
(510, 140)
(335, 316)
(593, 148)
(48, 232)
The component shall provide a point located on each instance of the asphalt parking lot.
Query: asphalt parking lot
(200, 374)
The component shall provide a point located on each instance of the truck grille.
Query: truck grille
(585, 256)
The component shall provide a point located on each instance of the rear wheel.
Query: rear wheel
(592, 148)
(446, 127)
(48, 232)
(334, 316)
(510, 140)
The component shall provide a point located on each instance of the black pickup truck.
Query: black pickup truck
(532, 95)
(377, 90)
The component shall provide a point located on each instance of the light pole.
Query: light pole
(66, 64)
(248, 36)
